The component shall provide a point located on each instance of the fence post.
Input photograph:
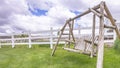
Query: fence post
(13, 43)
(114, 36)
(29, 40)
(79, 30)
(51, 38)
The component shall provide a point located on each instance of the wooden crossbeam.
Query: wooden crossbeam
(65, 33)
(112, 27)
(104, 14)
(70, 41)
(90, 42)
(96, 13)
(86, 12)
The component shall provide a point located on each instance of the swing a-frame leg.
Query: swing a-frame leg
(68, 22)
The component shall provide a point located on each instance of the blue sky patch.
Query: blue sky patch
(76, 25)
(37, 12)
(76, 12)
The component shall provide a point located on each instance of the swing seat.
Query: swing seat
(82, 45)
(78, 51)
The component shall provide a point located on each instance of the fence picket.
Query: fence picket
(13, 45)
(51, 36)
(29, 40)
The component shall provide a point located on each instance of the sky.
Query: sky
(36, 15)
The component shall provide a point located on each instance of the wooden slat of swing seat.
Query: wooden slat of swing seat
(88, 41)
(112, 27)
(65, 34)
(72, 50)
(88, 53)
(78, 51)
(70, 41)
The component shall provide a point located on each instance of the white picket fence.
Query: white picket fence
(43, 37)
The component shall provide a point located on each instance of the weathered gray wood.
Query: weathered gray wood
(96, 13)
(71, 32)
(72, 24)
(73, 28)
(112, 27)
(96, 41)
(88, 53)
(65, 34)
(72, 50)
(79, 31)
(90, 42)
(104, 15)
(86, 12)
(55, 47)
(70, 41)
(101, 39)
(78, 51)
(67, 21)
(112, 20)
(85, 46)
(101, 32)
(93, 36)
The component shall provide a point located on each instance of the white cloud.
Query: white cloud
(15, 14)
(16, 6)
(36, 23)
(55, 17)
(41, 4)
(60, 14)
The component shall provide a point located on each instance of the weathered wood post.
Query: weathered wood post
(12, 39)
(51, 38)
(29, 34)
(93, 36)
(79, 31)
(101, 38)
(69, 36)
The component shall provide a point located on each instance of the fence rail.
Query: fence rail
(44, 37)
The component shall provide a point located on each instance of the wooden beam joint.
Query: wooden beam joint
(96, 13)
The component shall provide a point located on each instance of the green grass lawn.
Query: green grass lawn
(39, 57)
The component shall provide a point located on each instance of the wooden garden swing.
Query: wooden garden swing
(95, 44)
